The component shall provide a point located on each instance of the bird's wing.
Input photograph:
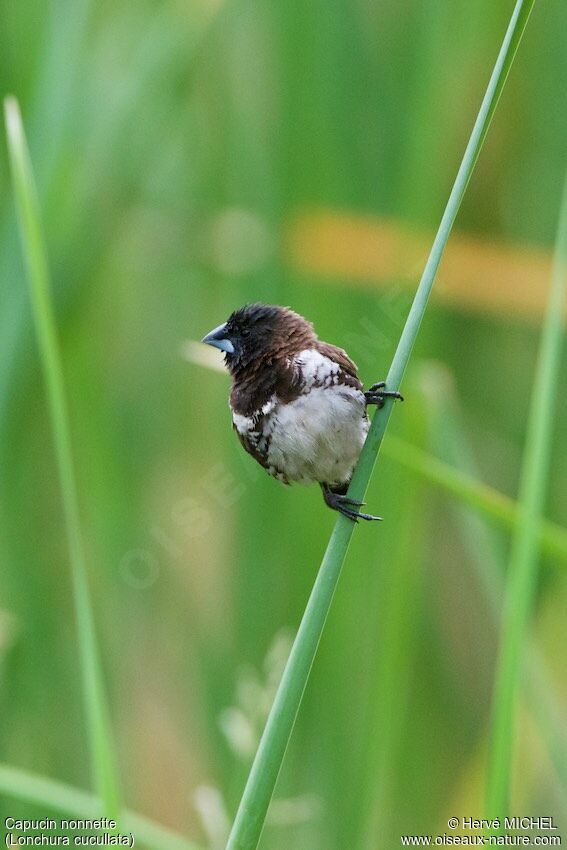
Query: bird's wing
(250, 442)
(255, 434)
(341, 358)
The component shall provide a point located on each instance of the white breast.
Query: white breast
(319, 436)
(316, 437)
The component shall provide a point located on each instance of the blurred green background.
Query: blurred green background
(176, 147)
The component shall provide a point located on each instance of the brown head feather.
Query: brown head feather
(265, 340)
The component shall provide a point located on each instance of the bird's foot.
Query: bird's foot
(345, 506)
(377, 394)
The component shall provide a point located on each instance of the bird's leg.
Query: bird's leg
(347, 507)
(377, 394)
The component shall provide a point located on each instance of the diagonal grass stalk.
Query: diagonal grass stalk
(523, 558)
(552, 538)
(100, 738)
(57, 796)
(487, 556)
(259, 789)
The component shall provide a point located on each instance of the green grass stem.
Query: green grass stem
(520, 584)
(55, 796)
(251, 815)
(99, 734)
(487, 555)
(552, 538)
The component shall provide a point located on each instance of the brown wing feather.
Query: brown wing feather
(252, 448)
(348, 366)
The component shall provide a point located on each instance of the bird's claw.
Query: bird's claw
(344, 500)
(377, 394)
(356, 515)
(346, 506)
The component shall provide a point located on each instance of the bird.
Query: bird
(298, 406)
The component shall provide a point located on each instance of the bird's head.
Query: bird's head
(260, 334)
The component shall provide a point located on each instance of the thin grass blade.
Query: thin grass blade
(488, 556)
(259, 789)
(53, 795)
(99, 734)
(522, 574)
(552, 538)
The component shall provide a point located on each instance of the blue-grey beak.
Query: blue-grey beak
(219, 339)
